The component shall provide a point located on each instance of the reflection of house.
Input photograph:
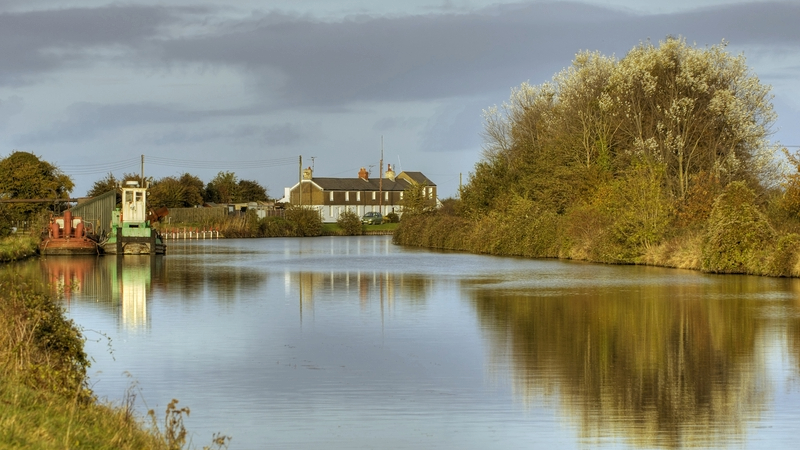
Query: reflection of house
(332, 196)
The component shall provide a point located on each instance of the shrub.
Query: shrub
(304, 221)
(38, 343)
(785, 256)
(392, 218)
(274, 227)
(735, 233)
(350, 223)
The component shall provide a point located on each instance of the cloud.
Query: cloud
(416, 57)
(33, 43)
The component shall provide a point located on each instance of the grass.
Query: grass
(32, 418)
(18, 246)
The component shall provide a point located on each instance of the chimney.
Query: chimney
(390, 173)
(307, 174)
(363, 174)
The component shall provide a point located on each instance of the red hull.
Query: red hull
(68, 246)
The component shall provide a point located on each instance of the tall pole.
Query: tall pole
(380, 181)
(300, 179)
(142, 172)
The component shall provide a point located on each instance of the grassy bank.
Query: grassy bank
(17, 246)
(299, 222)
(45, 401)
(736, 237)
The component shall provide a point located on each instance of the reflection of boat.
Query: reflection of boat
(68, 235)
(131, 233)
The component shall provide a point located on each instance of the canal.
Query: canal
(355, 343)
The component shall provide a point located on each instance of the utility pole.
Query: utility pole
(380, 181)
(300, 179)
(142, 172)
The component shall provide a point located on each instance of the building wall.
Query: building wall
(330, 204)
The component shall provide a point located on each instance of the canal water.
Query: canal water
(355, 343)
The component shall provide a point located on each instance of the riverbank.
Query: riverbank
(242, 227)
(18, 246)
(737, 242)
(45, 398)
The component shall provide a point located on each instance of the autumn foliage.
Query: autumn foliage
(660, 157)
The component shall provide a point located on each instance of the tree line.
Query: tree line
(24, 175)
(660, 157)
(187, 190)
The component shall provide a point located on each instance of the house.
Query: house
(332, 196)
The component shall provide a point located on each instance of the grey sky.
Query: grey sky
(87, 84)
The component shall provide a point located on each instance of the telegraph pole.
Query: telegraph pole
(380, 181)
(300, 179)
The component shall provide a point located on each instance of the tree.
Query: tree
(24, 176)
(251, 191)
(167, 191)
(224, 188)
(693, 110)
(194, 190)
(415, 200)
(110, 183)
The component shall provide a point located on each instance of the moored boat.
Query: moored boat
(131, 233)
(68, 235)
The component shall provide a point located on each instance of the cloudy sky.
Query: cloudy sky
(249, 86)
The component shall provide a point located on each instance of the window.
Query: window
(358, 196)
(347, 196)
(373, 195)
(401, 195)
(331, 196)
(386, 196)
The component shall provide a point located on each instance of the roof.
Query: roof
(400, 183)
(417, 177)
(359, 184)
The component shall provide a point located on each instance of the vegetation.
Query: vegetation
(18, 246)
(187, 190)
(350, 223)
(661, 157)
(24, 176)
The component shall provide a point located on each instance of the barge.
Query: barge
(69, 235)
(131, 231)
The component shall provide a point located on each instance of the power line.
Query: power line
(220, 164)
(133, 164)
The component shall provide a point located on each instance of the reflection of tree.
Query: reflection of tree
(793, 331)
(657, 364)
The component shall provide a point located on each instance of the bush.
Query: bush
(304, 221)
(350, 223)
(38, 343)
(735, 233)
(274, 227)
(391, 218)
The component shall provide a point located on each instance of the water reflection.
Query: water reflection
(366, 286)
(664, 364)
(120, 285)
(350, 343)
